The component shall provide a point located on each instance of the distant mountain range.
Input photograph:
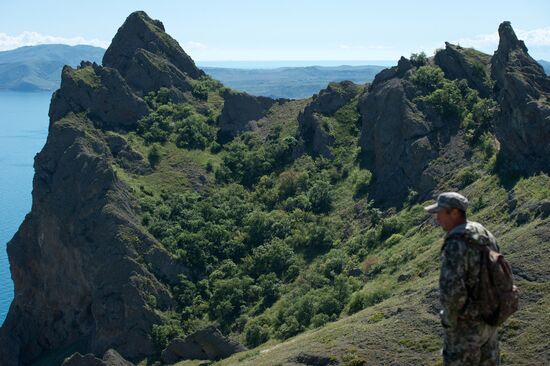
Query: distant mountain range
(545, 65)
(291, 82)
(38, 68)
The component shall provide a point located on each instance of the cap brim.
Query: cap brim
(432, 208)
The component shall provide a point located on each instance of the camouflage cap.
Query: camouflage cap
(448, 200)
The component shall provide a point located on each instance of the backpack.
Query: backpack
(495, 294)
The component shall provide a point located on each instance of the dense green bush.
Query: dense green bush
(363, 299)
(320, 196)
(419, 59)
(193, 132)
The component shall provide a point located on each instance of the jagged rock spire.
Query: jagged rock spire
(522, 90)
(508, 39)
(142, 35)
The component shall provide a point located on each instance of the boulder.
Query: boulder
(206, 344)
(110, 358)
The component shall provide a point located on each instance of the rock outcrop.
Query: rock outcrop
(101, 93)
(316, 138)
(466, 63)
(398, 140)
(206, 344)
(240, 111)
(110, 358)
(148, 58)
(523, 93)
(77, 259)
(85, 272)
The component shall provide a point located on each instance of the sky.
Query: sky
(213, 30)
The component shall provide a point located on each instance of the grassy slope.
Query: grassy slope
(405, 327)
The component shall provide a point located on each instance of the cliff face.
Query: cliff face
(240, 111)
(399, 140)
(78, 278)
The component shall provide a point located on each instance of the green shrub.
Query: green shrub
(320, 197)
(363, 299)
(428, 78)
(419, 59)
(154, 128)
(193, 132)
(256, 332)
(161, 334)
(467, 176)
(275, 256)
(361, 180)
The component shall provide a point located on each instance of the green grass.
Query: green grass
(88, 76)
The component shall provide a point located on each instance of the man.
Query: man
(468, 339)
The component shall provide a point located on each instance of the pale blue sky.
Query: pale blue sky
(284, 29)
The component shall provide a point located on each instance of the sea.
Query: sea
(23, 132)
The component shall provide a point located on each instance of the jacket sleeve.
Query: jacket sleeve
(452, 280)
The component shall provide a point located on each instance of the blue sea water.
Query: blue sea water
(23, 132)
(291, 63)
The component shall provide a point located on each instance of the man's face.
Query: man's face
(445, 219)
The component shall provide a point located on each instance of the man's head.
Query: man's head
(450, 210)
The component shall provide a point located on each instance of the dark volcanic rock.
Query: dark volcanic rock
(101, 93)
(314, 360)
(406, 144)
(240, 110)
(129, 159)
(206, 344)
(316, 139)
(110, 358)
(523, 93)
(147, 57)
(76, 259)
(465, 63)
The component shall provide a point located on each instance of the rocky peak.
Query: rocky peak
(465, 63)
(399, 71)
(141, 49)
(508, 39)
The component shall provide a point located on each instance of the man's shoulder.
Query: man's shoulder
(472, 232)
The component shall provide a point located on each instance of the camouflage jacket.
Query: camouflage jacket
(459, 274)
